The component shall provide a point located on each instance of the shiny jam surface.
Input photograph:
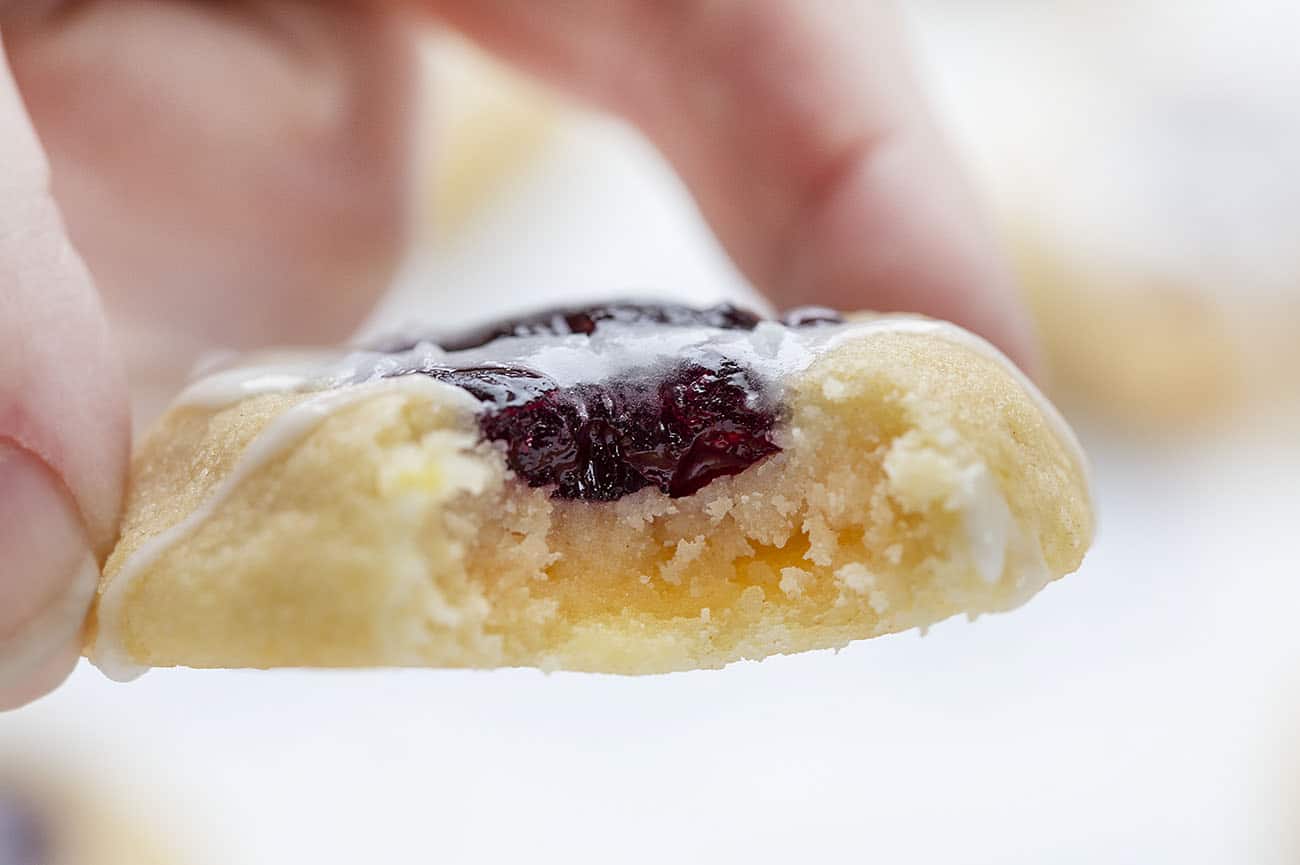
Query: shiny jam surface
(676, 427)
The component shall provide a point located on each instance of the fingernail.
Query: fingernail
(48, 576)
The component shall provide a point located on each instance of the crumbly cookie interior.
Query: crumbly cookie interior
(917, 480)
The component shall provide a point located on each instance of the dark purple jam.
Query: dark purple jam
(676, 428)
(24, 839)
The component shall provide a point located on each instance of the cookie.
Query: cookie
(625, 488)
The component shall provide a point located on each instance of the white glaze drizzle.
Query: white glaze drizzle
(108, 651)
(769, 348)
(51, 631)
(344, 377)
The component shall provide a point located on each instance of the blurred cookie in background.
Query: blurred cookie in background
(1156, 353)
(48, 817)
(24, 829)
(488, 124)
(75, 790)
(1143, 160)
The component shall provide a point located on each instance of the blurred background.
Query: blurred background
(1142, 159)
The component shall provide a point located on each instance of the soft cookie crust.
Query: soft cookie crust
(919, 478)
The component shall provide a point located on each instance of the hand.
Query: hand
(235, 173)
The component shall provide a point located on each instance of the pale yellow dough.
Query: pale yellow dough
(389, 535)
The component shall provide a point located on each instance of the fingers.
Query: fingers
(235, 174)
(799, 129)
(63, 426)
(47, 579)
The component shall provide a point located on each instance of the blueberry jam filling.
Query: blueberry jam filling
(677, 431)
(676, 428)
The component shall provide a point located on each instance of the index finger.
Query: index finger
(801, 132)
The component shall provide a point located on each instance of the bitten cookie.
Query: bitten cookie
(626, 488)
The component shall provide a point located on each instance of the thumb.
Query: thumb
(64, 432)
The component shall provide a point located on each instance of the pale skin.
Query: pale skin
(267, 143)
